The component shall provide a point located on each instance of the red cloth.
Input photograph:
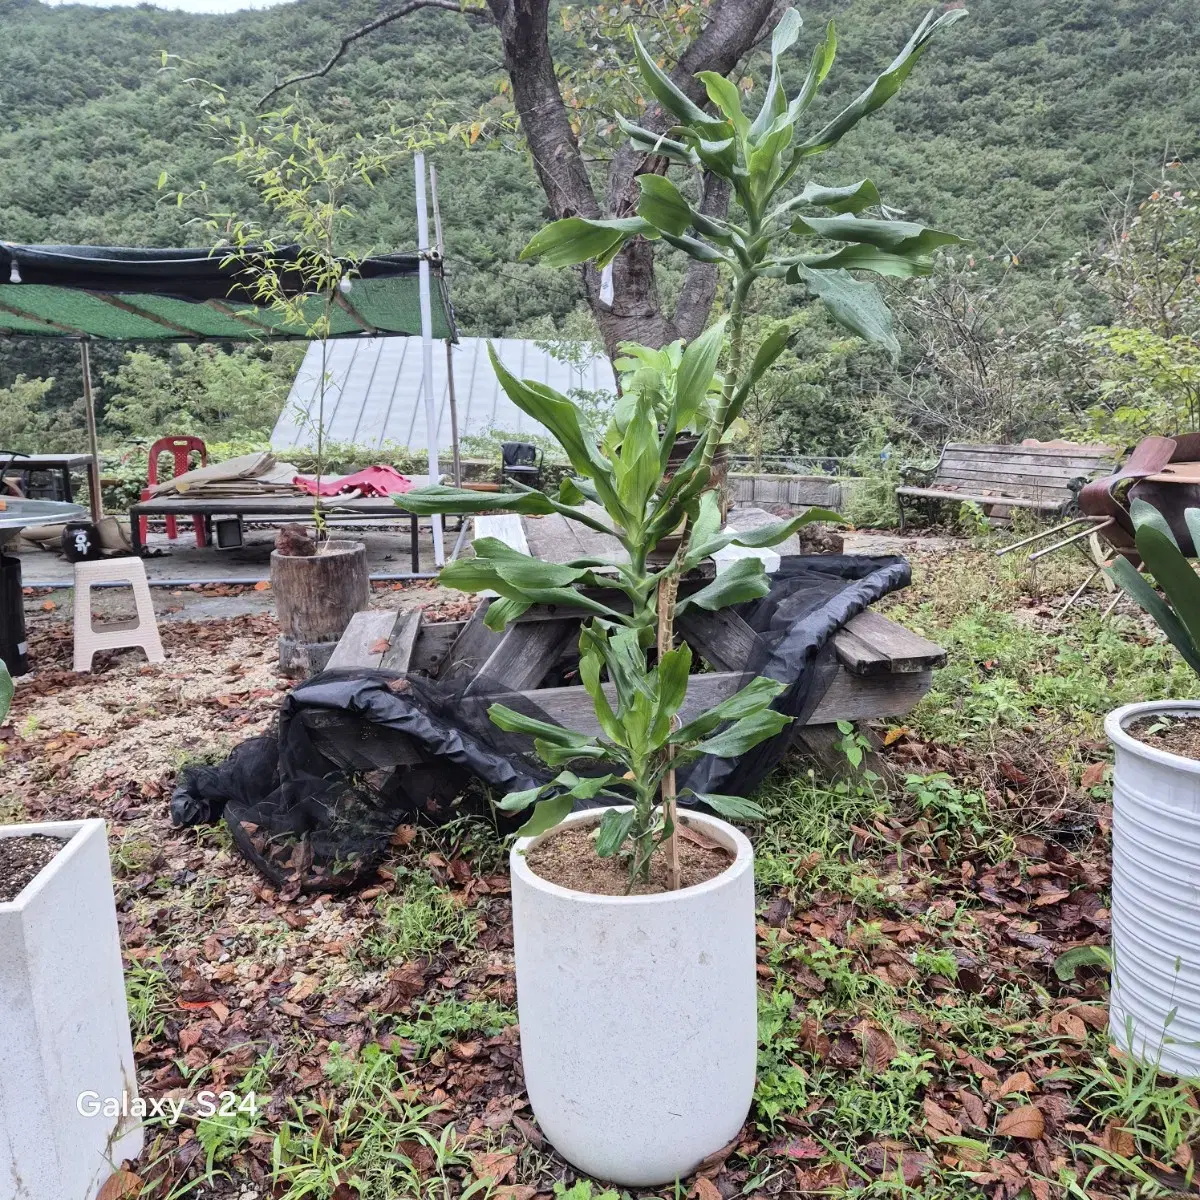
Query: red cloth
(371, 481)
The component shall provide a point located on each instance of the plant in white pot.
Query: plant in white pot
(67, 1078)
(1154, 1006)
(634, 924)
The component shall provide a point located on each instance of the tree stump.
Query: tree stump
(315, 597)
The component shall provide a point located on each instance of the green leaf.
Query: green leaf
(658, 143)
(6, 692)
(1174, 574)
(514, 722)
(589, 674)
(736, 808)
(503, 611)
(694, 248)
(519, 801)
(673, 670)
(1124, 573)
(1191, 517)
(547, 814)
(576, 240)
(854, 305)
(823, 55)
(1065, 965)
(850, 199)
(696, 370)
(906, 238)
(586, 788)
(1146, 516)
(769, 349)
(453, 501)
(662, 204)
(754, 697)
(774, 101)
(745, 579)
(865, 258)
(882, 89)
(725, 95)
(745, 734)
(664, 91)
(614, 829)
(764, 535)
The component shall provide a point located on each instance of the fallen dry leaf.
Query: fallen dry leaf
(1024, 1122)
(495, 1167)
(262, 585)
(878, 1047)
(705, 1189)
(1020, 1082)
(940, 1121)
(123, 1185)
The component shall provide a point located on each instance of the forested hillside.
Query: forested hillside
(1017, 129)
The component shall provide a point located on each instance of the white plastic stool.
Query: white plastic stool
(114, 635)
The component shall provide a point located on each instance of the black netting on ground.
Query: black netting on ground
(314, 803)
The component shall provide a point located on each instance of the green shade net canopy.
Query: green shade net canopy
(115, 293)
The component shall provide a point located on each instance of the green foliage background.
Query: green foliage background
(1017, 130)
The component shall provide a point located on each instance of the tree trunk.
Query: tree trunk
(315, 597)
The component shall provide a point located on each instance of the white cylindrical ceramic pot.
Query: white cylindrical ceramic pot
(638, 1015)
(67, 1079)
(1154, 1006)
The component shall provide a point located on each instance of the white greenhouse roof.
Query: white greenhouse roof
(373, 391)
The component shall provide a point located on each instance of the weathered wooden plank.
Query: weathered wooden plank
(399, 654)
(472, 647)
(1008, 501)
(524, 655)
(721, 637)
(1057, 475)
(1027, 491)
(357, 646)
(433, 644)
(1080, 451)
(848, 698)
(870, 644)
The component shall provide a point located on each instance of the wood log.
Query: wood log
(315, 598)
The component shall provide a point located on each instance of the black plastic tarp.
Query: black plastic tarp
(357, 753)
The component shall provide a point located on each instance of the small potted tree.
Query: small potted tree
(634, 923)
(1154, 1008)
(62, 998)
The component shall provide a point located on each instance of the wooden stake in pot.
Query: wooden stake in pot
(666, 642)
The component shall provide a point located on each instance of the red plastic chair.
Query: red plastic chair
(182, 448)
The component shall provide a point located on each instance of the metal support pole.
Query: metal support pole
(439, 551)
(1037, 537)
(1062, 612)
(441, 249)
(1075, 537)
(89, 408)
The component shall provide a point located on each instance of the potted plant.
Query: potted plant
(1154, 1006)
(634, 923)
(63, 1013)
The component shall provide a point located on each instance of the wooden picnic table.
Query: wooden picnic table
(280, 507)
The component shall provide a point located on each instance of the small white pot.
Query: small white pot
(64, 1025)
(1154, 1006)
(638, 1015)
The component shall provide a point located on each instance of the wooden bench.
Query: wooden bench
(1046, 478)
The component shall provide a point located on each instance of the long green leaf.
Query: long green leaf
(1174, 574)
(6, 691)
(881, 90)
(1144, 515)
(824, 52)
(662, 204)
(726, 96)
(519, 801)
(754, 697)
(503, 611)
(512, 721)
(774, 101)
(575, 240)
(695, 374)
(764, 535)
(856, 306)
(864, 258)
(664, 91)
(744, 579)
(547, 814)
(452, 501)
(745, 734)
(850, 199)
(897, 237)
(736, 808)
(658, 143)
(614, 829)
(1124, 573)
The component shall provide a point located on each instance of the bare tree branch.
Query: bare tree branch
(410, 6)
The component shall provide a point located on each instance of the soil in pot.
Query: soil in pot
(569, 859)
(21, 859)
(1174, 735)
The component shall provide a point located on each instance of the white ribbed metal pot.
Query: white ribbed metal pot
(638, 1015)
(1154, 1007)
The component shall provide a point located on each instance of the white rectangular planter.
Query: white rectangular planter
(64, 1024)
